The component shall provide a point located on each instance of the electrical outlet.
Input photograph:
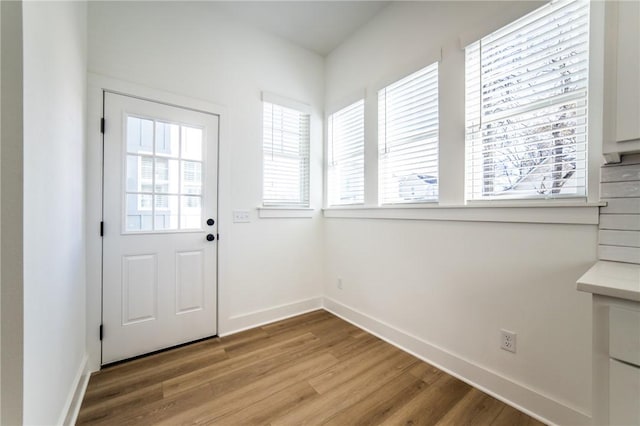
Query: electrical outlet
(339, 283)
(241, 216)
(508, 341)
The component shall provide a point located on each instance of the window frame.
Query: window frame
(305, 191)
(383, 122)
(582, 175)
(453, 204)
(329, 163)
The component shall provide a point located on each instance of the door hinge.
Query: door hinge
(100, 331)
(102, 125)
(102, 229)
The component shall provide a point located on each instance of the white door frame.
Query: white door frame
(97, 84)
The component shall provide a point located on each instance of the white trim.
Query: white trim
(343, 102)
(509, 14)
(595, 101)
(69, 414)
(419, 62)
(242, 322)
(285, 212)
(585, 214)
(272, 98)
(93, 213)
(536, 203)
(506, 390)
(130, 89)
(611, 158)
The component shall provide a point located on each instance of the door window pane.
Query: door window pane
(139, 135)
(163, 176)
(166, 217)
(139, 173)
(167, 139)
(138, 212)
(191, 143)
(167, 175)
(191, 178)
(190, 217)
(144, 202)
(146, 169)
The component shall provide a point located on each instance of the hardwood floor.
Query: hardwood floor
(311, 369)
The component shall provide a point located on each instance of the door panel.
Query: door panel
(160, 187)
(139, 288)
(189, 281)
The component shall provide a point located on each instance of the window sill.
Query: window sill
(567, 212)
(285, 212)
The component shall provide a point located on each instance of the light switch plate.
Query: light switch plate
(241, 216)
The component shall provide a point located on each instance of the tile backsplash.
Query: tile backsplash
(619, 234)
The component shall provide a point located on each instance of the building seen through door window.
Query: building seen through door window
(163, 176)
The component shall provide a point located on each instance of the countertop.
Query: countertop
(613, 279)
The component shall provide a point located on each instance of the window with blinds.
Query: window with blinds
(286, 156)
(526, 106)
(408, 138)
(346, 155)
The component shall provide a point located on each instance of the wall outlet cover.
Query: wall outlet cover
(508, 340)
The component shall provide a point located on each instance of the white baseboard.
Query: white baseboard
(238, 323)
(535, 404)
(71, 408)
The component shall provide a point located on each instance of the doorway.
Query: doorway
(160, 202)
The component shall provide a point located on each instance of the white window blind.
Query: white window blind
(286, 156)
(526, 106)
(346, 155)
(408, 138)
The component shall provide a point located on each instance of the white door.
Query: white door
(159, 234)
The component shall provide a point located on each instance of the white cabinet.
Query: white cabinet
(624, 394)
(616, 361)
(622, 77)
(624, 365)
(616, 341)
(624, 335)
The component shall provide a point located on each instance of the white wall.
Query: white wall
(11, 276)
(195, 50)
(449, 287)
(54, 243)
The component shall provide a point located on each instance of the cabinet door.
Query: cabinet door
(624, 393)
(624, 335)
(628, 72)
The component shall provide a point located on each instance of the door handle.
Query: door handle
(210, 222)
(210, 237)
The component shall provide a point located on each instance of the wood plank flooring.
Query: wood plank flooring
(311, 369)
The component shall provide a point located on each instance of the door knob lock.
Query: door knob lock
(210, 222)
(210, 237)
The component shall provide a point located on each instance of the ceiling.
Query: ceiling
(319, 26)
